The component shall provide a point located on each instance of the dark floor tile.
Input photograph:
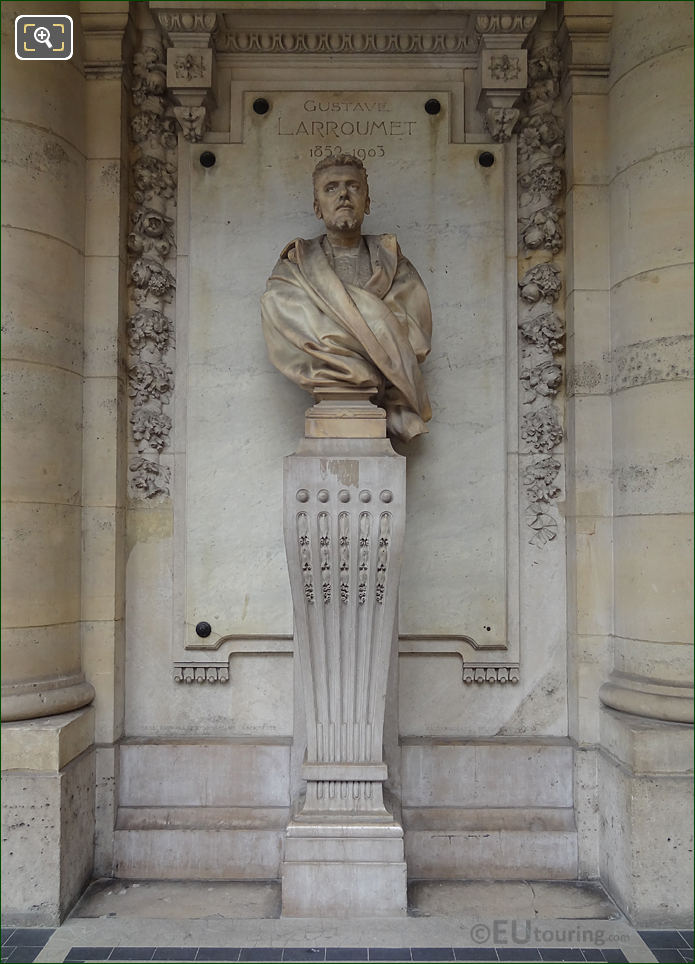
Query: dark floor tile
(687, 936)
(475, 954)
(686, 953)
(557, 954)
(264, 954)
(663, 939)
(88, 953)
(398, 954)
(304, 954)
(613, 954)
(432, 953)
(5, 956)
(22, 954)
(509, 954)
(347, 954)
(132, 953)
(175, 954)
(667, 955)
(31, 936)
(226, 955)
(7, 935)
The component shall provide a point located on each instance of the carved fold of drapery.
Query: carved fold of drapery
(540, 172)
(151, 282)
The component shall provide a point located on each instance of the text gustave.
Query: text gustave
(336, 122)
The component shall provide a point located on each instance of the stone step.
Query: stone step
(199, 843)
(521, 843)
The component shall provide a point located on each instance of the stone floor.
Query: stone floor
(121, 920)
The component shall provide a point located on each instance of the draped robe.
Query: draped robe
(320, 331)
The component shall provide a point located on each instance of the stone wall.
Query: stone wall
(571, 743)
(629, 421)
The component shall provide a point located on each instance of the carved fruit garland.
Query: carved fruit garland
(540, 154)
(151, 285)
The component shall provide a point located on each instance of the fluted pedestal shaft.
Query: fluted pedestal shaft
(344, 530)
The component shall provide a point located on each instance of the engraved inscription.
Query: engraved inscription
(339, 126)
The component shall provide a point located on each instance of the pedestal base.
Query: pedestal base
(48, 779)
(344, 871)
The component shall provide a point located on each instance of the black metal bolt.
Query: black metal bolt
(486, 159)
(432, 106)
(207, 159)
(203, 629)
(261, 105)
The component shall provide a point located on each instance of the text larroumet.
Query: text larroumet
(347, 128)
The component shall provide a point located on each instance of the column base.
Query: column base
(646, 824)
(48, 779)
(40, 698)
(344, 870)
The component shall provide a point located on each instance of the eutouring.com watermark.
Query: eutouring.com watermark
(518, 933)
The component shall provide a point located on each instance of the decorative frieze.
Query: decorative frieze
(540, 172)
(505, 23)
(201, 672)
(486, 673)
(293, 41)
(186, 22)
(151, 284)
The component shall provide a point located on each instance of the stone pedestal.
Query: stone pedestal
(646, 817)
(48, 777)
(344, 529)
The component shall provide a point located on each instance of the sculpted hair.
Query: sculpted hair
(339, 160)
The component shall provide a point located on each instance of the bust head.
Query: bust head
(341, 196)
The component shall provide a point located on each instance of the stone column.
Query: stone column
(43, 208)
(646, 792)
(344, 529)
(108, 41)
(584, 39)
(48, 763)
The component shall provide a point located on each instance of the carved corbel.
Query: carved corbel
(190, 66)
(502, 70)
(192, 121)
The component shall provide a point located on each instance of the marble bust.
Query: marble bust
(347, 309)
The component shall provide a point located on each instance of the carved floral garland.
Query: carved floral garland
(540, 155)
(151, 285)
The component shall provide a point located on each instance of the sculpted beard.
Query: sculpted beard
(346, 219)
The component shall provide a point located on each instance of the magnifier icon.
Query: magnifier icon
(42, 35)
